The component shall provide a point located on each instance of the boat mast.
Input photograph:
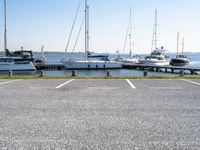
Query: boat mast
(5, 27)
(154, 38)
(130, 34)
(177, 43)
(86, 29)
(183, 45)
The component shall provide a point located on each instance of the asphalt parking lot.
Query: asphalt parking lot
(99, 114)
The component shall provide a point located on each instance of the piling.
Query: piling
(74, 73)
(42, 73)
(10, 73)
(145, 73)
(108, 73)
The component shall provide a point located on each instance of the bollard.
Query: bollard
(74, 73)
(108, 73)
(145, 73)
(10, 73)
(182, 72)
(42, 73)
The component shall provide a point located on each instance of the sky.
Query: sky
(33, 23)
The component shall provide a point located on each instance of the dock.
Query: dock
(166, 69)
(50, 66)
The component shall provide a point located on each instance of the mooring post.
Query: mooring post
(74, 73)
(42, 73)
(10, 73)
(182, 72)
(108, 73)
(145, 73)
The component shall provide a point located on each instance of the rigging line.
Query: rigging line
(126, 36)
(78, 34)
(72, 26)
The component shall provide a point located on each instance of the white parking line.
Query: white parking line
(64, 84)
(191, 81)
(2, 83)
(166, 88)
(131, 84)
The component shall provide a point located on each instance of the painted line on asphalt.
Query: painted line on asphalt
(131, 84)
(2, 83)
(191, 81)
(61, 85)
(166, 88)
(39, 88)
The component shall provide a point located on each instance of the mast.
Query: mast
(130, 34)
(154, 38)
(5, 27)
(177, 43)
(86, 29)
(183, 45)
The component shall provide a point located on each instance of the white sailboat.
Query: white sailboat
(90, 63)
(180, 59)
(18, 62)
(157, 56)
(131, 58)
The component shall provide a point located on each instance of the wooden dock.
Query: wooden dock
(58, 66)
(166, 69)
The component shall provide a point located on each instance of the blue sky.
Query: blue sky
(33, 23)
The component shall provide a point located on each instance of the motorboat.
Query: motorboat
(157, 57)
(16, 64)
(18, 60)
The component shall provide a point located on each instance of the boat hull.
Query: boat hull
(179, 61)
(92, 65)
(155, 62)
(29, 67)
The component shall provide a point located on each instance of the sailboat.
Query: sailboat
(157, 56)
(18, 60)
(90, 63)
(180, 59)
(130, 59)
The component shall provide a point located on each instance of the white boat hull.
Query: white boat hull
(17, 67)
(155, 62)
(92, 65)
